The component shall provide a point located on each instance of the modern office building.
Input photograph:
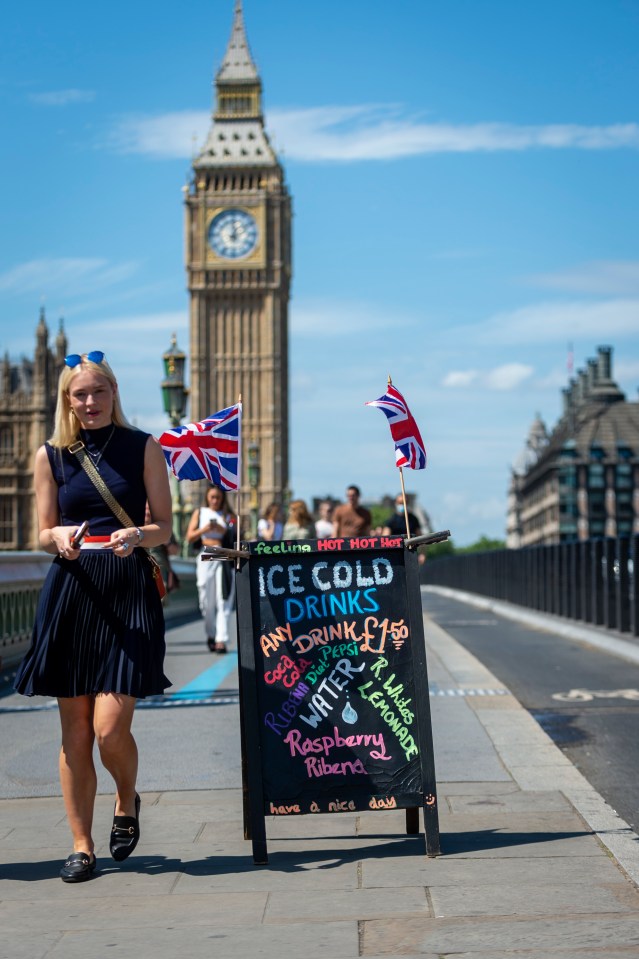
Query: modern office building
(581, 480)
(238, 260)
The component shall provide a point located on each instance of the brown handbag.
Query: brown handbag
(85, 462)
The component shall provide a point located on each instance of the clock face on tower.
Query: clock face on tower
(233, 234)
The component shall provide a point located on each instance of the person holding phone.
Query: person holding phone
(98, 638)
(214, 524)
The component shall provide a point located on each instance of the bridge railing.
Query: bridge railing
(21, 577)
(595, 581)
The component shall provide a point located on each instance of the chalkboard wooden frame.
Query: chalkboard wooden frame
(250, 628)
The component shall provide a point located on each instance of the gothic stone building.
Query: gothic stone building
(238, 259)
(582, 480)
(27, 407)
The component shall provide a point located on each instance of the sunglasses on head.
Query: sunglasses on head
(95, 356)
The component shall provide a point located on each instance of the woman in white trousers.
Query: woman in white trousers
(214, 525)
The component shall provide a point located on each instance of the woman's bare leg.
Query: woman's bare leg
(77, 771)
(112, 718)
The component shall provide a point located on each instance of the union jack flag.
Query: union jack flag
(207, 450)
(409, 445)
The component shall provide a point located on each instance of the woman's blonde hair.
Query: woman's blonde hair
(66, 428)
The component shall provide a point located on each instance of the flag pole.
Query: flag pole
(239, 490)
(401, 479)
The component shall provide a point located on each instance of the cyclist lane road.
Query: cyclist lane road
(587, 700)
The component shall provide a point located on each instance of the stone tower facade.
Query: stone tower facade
(238, 260)
(27, 408)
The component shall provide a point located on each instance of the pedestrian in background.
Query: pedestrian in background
(299, 523)
(270, 526)
(324, 524)
(395, 525)
(351, 518)
(214, 524)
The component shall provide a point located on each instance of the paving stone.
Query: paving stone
(339, 940)
(134, 910)
(29, 946)
(493, 843)
(574, 872)
(284, 872)
(510, 899)
(511, 802)
(462, 788)
(552, 952)
(358, 904)
(477, 936)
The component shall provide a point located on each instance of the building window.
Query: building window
(6, 520)
(6, 444)
(624, 476)
(567, 477)
(596, 476)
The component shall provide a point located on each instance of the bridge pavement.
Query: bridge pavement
(533, 863)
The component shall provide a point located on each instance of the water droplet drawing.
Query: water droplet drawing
(348, 714)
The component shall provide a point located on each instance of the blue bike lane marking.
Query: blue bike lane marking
(207, 682)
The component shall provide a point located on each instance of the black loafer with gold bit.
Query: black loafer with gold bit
(125, 834)
(79, 867)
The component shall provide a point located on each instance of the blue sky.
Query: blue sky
(464, 178)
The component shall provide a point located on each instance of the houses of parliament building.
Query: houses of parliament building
(27, 405)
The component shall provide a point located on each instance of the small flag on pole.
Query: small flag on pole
(409, 445)
(207, 450)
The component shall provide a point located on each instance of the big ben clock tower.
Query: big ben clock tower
(238, 259)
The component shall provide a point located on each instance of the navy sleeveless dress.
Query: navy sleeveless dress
(99, 623)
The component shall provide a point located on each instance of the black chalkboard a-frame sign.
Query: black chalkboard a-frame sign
(334, 700)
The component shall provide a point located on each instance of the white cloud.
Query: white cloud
(463, 505)
(380, 133)
(337, 318)
(366, 132)
(506, 377)
(168, 135)
(558, 321)
(62, 98)
(56, 274)
(460, 378)
(140, 325)
(601, 277)
(626, 371)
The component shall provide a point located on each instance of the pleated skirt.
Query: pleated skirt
(99, 628)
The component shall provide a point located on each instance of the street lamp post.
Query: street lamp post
(253, 451)
(174, 397)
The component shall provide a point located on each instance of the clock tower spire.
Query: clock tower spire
(238, 260)
(238, 66)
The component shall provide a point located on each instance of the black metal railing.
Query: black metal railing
(21, 578)
(595, 581)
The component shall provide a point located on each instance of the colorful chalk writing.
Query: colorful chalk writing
(334, 685)
(382, 803)
(287, 671)
(334, 676)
